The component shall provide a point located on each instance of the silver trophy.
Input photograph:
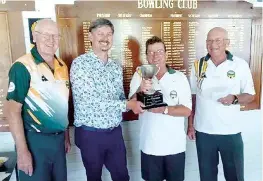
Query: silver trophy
(151, 98)
(148, 71)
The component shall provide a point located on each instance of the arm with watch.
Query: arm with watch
(177, 110)
(243, 98)
(183, 109)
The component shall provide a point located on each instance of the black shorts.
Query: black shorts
(158, 168)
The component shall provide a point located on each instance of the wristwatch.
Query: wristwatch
(165, 110)
(235, 101)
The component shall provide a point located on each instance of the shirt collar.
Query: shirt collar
(229, 56)
(37, 57)
(170, 70)
(93, 55)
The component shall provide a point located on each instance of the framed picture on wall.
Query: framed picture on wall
(32, 22)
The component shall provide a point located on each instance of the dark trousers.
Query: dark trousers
(49, 157)
(159, 168)
(230, 148)
(102, 148)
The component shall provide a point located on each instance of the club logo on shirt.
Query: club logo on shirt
(11, 87)
(231, 74)
(173, 94)
(44, 78)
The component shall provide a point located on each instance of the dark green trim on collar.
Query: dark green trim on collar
(61, 64)
(229, 56)
(170, 70)
(37, 57)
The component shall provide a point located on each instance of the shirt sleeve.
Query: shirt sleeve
(135, 84)
(193, 80)
(247, 84)
(19, 83)
(84, 91)
(185, 98)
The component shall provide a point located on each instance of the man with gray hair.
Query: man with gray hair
(99, 100)
(37, 108)
(220, 82)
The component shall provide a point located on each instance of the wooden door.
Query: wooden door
(68, 50)
(5, 64)
(256, 63)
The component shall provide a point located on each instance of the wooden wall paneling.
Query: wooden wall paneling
(256, 63)
(68, 50)
(68, 47)
(5, 64)
(85, 10)
(17, 38)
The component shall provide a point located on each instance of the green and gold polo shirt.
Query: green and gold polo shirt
(42, 91)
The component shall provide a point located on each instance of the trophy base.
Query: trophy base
(155, 106)
(151, 100)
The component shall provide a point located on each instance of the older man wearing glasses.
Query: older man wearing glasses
(220, 82)
(37, 108)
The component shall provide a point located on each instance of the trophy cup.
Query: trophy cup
(151, 98)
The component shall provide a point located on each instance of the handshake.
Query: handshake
(133, 104)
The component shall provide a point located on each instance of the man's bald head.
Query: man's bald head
(43, 23)
(218, 31)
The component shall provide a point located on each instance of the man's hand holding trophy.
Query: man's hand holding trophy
(147, 94)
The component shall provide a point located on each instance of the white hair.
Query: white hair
(219, 29)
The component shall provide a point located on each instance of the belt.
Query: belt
(88, 128)
(55, 133)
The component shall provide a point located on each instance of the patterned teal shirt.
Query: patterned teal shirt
(98, 93)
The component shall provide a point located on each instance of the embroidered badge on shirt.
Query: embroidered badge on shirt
(231, 74)
(11, 87)
(173, 94)
(44, 78)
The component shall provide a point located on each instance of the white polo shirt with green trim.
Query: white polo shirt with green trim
(233, 76)
(162, 134)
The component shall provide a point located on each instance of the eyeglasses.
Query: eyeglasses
(218, 41)
(158, 52)
(47, 36)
